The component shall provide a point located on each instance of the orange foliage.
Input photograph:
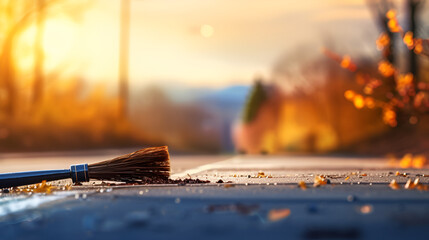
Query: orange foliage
(418, 46)
(386, 69)
(349, 94)
(347, 63)
(389, 116)
(358, 101)
(421, 100)
(404, 84)
(67, 119)
(394, 25)
(409, 40)
(369, 102)
(391, 14)
(419, 161)
(409, 161)
(393, 22)
(413, 43)
(382, 41)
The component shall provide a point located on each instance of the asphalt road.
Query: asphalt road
(258, 198)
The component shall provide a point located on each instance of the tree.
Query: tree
(255, 100)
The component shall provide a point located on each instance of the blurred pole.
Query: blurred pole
(38, 55)
(124, 57)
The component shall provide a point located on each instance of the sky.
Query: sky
(203, 43)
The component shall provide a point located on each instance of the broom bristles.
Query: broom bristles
(144, 164)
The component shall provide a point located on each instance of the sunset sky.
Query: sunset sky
(204, 43)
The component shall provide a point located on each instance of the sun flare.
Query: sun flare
(207, 31)
(59, 38)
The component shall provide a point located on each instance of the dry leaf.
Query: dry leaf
(275, 215)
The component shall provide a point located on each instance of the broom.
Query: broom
(145, 164)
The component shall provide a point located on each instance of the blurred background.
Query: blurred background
(216, 77)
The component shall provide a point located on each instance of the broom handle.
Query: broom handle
(78, 173)
(25, 178)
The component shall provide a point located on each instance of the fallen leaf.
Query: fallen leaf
(394, 185)
(320, 180)
(275, 215)
(302, 185)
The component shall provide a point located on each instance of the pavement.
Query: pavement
(249, 197)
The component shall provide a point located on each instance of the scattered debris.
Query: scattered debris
(347, 178)
(162, 181)
(263, 175)
(415, 185)
(67, 187)
(186, 181)
(302, 185)
(48, 188)
(401, 174)
(275, 215)
(409, 184)
(320, 180)
(366, 209)
(42, 187)
(394, 185)
(334, 176)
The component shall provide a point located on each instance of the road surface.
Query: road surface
(249, 197)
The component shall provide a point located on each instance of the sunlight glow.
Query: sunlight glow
(58, 41)
(206, 31)
(59, 38)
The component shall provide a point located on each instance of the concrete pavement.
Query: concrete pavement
(259, 198)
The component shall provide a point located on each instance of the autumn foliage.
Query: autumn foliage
(392, 91)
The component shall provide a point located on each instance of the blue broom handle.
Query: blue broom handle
(78, 173)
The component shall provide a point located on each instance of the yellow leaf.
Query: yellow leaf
(386, 69)
(394, 25)
(409, 40)
(349, 94)
(346, 61)
(418, 46)
(275, 215)
(391, 14)
(369, 102)
(358, 101)
(382, 41)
